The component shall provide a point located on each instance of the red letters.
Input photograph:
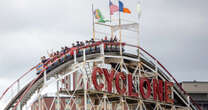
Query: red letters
(161, 92)
(130, 86)
(168, 86)
(109, 78)
(158, 89)
(94, 78)
(123, 77)
(147, 95)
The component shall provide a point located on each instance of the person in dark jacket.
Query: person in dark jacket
(43, 59)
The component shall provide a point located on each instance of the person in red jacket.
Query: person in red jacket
(74, 48)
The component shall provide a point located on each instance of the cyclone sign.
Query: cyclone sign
(162, 90)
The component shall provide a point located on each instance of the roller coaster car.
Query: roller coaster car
(91, 49)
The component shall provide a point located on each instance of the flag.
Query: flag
(102, 21)
(130, 27)
(122, 9)
(99, 16)
(139, 11)
(113, 8)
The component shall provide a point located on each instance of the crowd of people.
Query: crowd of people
(66, 52)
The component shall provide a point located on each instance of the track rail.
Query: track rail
(25, 91)
(184, 92)
(16, 82)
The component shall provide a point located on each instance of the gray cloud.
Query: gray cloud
(177, 35)
(174, 31)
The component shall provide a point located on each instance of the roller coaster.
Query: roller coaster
(91, 85)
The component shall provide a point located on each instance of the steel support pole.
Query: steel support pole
(58, 97)
(39, 100)
(84, 55)
(102, 49)
(122, 103)
(105, 104)
(140, 105)
(85, 91)
(85, 82)
(188, 99)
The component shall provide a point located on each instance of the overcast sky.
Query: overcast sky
(174, 31)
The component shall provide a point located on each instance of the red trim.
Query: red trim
(16, 82)
(98, 43)
(168, 74)
(74, 76)
(15, 106)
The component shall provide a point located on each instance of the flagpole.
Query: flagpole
(109, 10)
(121, 63)
(93, 21)
(139, 23)
(139, 19)
(138, 35)
(120, 32)
(110, 19)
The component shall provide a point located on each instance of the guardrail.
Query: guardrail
(156, 62)
(29, 79)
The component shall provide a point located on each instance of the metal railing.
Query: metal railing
(29, 78)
